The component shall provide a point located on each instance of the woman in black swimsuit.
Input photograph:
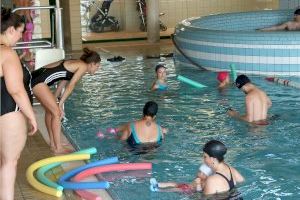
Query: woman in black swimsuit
(16, 108)
(225, 177)
(66, 70)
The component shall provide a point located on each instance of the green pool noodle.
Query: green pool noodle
(40, 174)
(233, 72)
(190, 82)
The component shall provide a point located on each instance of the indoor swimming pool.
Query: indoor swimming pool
(267, 156)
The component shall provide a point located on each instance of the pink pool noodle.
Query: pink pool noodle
(112, 130)
(107, 168)
(100, 135)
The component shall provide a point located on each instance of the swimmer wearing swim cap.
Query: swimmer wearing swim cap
(223, 78)
(256, 100)
(225, 177)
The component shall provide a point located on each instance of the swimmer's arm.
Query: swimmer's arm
(236, 115)
(164, 131)
(237, 176)
(249, 112)
(154, 86)
(70, 87)
(269, 102)
(58, 92)
(276, 28)
(124, 130)
(209, 186)
(197, 184)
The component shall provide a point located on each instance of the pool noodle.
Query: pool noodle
(107, 168)
(63, 180)
(40, 174)
(190, 82)
(233, 72)
(34, 166)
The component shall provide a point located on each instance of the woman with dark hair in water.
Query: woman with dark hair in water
(160, 82)
(225, 177)
(145, 130)
(16, 108)
(70, 70)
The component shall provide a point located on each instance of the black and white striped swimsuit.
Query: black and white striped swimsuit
(51, 75)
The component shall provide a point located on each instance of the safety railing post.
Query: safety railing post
(59, 28)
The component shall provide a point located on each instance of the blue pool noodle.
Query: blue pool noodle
(63, 180)
(190, 82)
(85, 185)
(233, 72)
(40, 175)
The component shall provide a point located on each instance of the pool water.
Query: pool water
(267, 156)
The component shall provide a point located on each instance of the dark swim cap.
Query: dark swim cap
(241, 80)
(215, 149)
(297, 12)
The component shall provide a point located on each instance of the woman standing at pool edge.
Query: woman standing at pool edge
(71, 70)
(15, 103)
(225, 177)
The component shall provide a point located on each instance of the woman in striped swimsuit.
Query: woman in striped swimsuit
(70, 70)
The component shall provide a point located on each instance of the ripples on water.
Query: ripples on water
(267, 156)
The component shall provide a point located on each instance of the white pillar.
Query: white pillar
(153, 30)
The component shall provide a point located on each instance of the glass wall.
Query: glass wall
(127, 15)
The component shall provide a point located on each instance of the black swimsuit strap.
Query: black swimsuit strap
(230, 182)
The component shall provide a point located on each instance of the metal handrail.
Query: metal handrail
(47, 44)
(33, 8)
(58, 24)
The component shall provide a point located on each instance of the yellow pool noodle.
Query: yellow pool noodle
(44, 188)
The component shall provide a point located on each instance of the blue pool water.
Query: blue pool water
(268, 157)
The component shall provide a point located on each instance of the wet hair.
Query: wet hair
(297, 12)
(215, 149)
(90, 56)
(241, 80)
(159, 66)
(150, 109)
(9, 19)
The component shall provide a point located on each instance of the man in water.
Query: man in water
(289, 26)
(256, 100)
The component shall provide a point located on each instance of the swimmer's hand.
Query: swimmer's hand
(61, 109)
(232, 112)
(164, 130)
(33, 126)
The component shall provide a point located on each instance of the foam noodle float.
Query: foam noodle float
(44, 188)
(233, 72)
(63, 180)
(107, 168)
(40, 174)
(190, 82)
(284, 82)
